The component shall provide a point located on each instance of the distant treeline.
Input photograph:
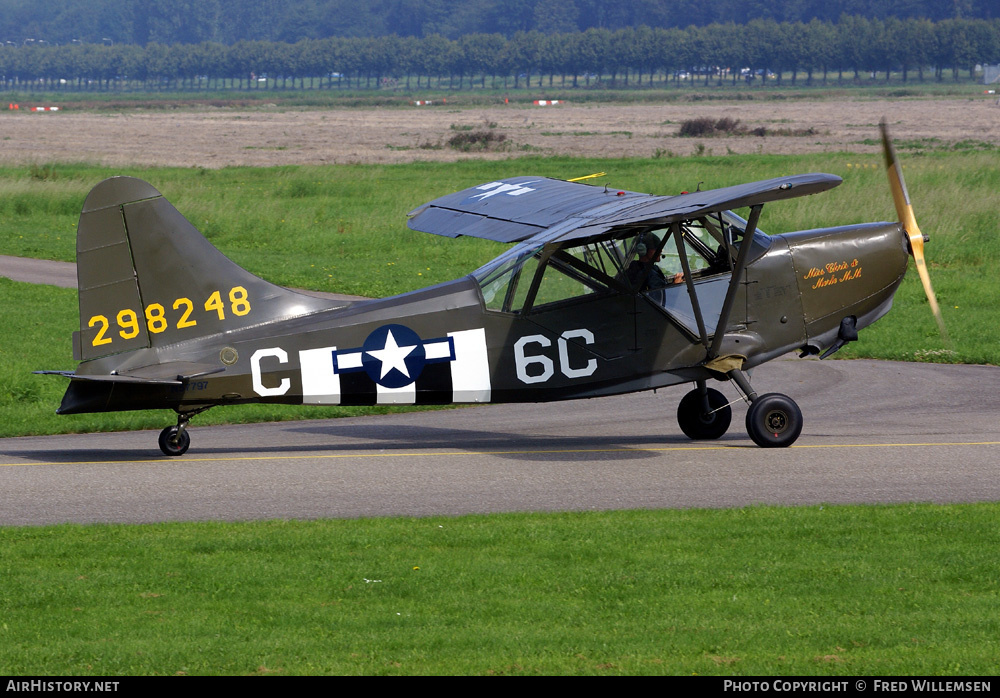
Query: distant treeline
(762, 50)
(229, 21)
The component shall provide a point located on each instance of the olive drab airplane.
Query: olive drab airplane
(603, 292)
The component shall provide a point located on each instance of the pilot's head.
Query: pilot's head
(647, 246)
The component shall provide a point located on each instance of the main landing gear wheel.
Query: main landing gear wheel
(774, 421)
(695, 423)
(174, 441)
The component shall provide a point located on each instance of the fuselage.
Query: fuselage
(455, 342)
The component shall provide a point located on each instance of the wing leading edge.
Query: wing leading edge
(516, 209)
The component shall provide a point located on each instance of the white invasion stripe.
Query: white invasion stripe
(407, 395)
(437, 350)
(470, 371)
(348, 360)
(320, 385)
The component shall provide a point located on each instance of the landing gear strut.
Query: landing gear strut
(174, 441)
(773, 420)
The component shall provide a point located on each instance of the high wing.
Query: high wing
(516, 209)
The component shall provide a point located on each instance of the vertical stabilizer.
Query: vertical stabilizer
(148, 278)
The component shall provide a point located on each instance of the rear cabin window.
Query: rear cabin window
(546, 275)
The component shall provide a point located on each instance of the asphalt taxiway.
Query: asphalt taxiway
(875, 432)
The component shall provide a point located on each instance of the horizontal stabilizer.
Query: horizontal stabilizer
(170, 373)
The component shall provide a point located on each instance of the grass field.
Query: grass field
(851, 591)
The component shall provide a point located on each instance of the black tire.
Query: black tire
(173, 443)
(697, 425)
(774, 421)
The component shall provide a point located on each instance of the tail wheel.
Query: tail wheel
(696, 423)
(174, 441)
(774, 421)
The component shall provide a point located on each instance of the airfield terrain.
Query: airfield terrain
(800, 589)
(856, 434)
(268, 135)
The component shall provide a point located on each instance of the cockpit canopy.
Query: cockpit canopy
(538, 275)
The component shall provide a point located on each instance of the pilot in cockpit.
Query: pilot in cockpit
(647, 249)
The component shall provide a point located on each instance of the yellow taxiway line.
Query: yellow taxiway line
(440, 454)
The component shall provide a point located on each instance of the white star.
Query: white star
(392, 356)
(494, 188)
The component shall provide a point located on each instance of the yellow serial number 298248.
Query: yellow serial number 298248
(156, 315)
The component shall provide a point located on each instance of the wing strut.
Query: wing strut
(675, 229)
(741, 263)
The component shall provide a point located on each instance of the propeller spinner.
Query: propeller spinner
(904, 211)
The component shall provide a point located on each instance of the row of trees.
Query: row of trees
(229, 21)
(853, 46)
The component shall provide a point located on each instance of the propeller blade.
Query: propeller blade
(904, 211)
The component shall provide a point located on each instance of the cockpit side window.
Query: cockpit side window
(711, 245)
(534, 276)
(707, 249)
(658, 262)
(555, 273)
(500, 280)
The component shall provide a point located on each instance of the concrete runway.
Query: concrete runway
(63, 275)
(38, 271)
(874, 432)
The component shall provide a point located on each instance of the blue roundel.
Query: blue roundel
(393, 356)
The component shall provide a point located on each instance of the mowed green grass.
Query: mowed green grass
(821, 590)
(343, 229)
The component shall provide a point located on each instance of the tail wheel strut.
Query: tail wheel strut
(175, 440)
